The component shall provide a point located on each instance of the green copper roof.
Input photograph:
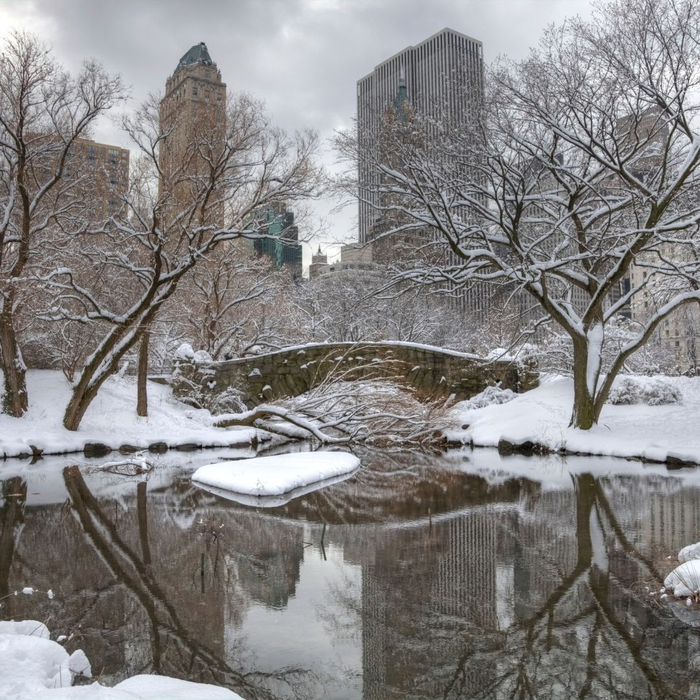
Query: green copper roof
(197, 54)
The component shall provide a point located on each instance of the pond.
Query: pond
(463, 575)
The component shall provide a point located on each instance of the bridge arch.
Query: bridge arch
(430, 371)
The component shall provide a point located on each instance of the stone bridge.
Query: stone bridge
(432, 372)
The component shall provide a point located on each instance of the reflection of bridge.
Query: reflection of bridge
(430, 371)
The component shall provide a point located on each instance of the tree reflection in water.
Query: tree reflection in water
(443, 585)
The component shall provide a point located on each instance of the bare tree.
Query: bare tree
(171, 219)
(43, 112)
(233, 304)
(582, 164)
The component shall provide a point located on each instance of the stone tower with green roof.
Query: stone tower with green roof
(193, 109)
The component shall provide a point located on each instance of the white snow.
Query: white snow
(277, 475)
(157, 687)
(111, 419)
(32, 667)
(684, 580)
(542, 415)
(28, 590)
(273, 501)
(184, 352)
(30, 628)
(692, 551)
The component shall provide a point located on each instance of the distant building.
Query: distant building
(193, 110)
(352, 257)
(319, 264)
(441, 78)
(281, 241)
(102, 171)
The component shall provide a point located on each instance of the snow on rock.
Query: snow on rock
(692, 551)
(78, 663)
(110, 420)
(201, 356)
(684, 580)
(273, 476)
(654, 433)
(32, 667)
(273, 501)
(28, 590)
(147, 687)
(30, 628)
(184, 352)
(29, 664)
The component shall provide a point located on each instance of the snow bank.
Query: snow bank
(684, 580)
(655, 433)
(32, 667)
(277, 475)
(692, 551)
(31, 663)
(159, 687)
(111, 420)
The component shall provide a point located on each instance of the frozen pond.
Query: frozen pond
(455, 576)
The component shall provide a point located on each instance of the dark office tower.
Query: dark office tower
(441, 78)
(281, 242)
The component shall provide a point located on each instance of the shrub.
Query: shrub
(636, 390)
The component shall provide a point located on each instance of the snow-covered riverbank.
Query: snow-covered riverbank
(33, 667)
(111, 421)
(667, 433)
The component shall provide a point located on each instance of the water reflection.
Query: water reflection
(419, 577)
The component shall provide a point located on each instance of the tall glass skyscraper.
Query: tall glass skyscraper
(442, 78)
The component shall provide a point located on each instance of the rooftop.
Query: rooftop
(197, 54)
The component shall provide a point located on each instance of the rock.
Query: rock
(158, 447)
(96, 449)
(128, 449)
(527, 447)
(187, 447)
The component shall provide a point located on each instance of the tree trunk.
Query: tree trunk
(142, 380)
(15, 400)
(584, 415)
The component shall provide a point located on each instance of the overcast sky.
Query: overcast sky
(303, 57)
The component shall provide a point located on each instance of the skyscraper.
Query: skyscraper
(281, 241)
(193, 111)
(440, 78)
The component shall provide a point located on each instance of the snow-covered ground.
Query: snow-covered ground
(264, 477)
(111, 419)
(541, 416)
(33, 667)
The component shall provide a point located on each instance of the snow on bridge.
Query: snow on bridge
(430, 371)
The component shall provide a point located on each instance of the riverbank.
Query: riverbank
(111, 422)
(538, 420)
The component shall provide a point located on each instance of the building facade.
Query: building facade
(193, 117)
(102, 173)
(440, 78)
(281, 237)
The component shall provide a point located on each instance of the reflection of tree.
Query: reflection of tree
(169, 635)
(429, 608)
(14, 492)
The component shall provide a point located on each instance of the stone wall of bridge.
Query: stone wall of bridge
(431, 372)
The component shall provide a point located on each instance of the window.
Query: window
(194, 91)
(207, 74)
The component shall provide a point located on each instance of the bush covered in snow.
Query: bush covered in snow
(490, 396)
(650, 391)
